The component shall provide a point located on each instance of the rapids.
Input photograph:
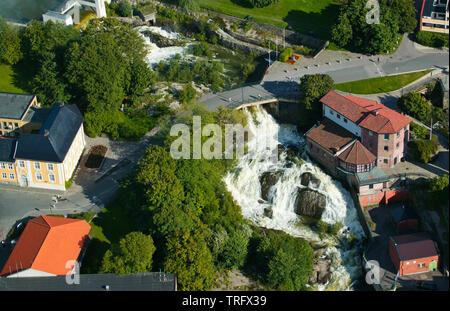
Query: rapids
(244, 185)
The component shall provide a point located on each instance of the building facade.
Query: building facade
(356, 138)
(434, 16)
(45, 153)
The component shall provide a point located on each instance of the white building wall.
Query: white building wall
(349, 125)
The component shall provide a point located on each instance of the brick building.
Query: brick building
(356, 138)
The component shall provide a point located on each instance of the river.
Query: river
(244, 184)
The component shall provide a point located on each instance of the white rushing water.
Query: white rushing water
(244, 184)
(155, 53)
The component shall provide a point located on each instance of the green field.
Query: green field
(301, 15)
(381, 84)
(6, 80)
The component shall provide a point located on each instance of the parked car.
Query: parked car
(427, 285)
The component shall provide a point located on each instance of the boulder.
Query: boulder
(281, 149)
(268, 212)
(310, 203)
(308, 177)
(321, 272)
(267, 180)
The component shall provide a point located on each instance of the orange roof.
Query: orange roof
(362, 112)
(46, 244)
(357, 154)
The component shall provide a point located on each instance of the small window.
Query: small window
(38, 176)
(385, 161)
(11, 176)
(50, 166)
(405, 128)
(10, 166)
(4, 175)
(386, 148)
(16, 125)
(338, 116)
(398, 145)
(421, 265)
(370, 133)
(3, 165)
(345, 120)
(22, 164)
(331, 112)
(371, 186)
(398, 133)
(37, 165)
(386, 136)
(51, 177)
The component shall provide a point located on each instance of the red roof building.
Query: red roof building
(413, 253)
(46, 247)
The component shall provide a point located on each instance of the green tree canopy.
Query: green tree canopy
(9, 43)
(133, 254)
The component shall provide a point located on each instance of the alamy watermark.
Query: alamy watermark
(227, 142)
(373, 16)
(373, 273)
(73, 276)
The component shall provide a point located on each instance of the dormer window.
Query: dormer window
(386, 136)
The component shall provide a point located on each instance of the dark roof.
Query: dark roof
(37, 114)
(13, 106)
(7, 146)
(374, 176)
(402, 212)
(55, 137)
(150, 281)
(414, 246)
(330, 136)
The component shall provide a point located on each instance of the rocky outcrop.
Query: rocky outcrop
(268, 212)
(310, 203)
(308, 177)
(321, 272)
(267, 180)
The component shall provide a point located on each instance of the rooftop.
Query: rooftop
(7, 146)
(149, 281)
(357, 154)
(13, 106)
(36, 114)
(402, 212)
(366, 113)
(376, 175)
(53, 141)
(330, 136)
(46, 244)
(414, 246)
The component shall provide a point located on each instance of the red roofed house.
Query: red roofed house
(413, 253)
(46, 246)
(356, 137)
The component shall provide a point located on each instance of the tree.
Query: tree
(342, 32)
(286, 261)
(189, 257)
(187, 94)
(415, 105)
(125, 9)
(9, 43)
(404, 13)
(133, 254)
(235, 249)
(312, 89)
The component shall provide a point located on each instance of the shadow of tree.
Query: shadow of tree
(23, 73)
(316, 24)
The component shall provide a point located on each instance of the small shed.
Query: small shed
(148, 14)
(413, 253)
(404, 218)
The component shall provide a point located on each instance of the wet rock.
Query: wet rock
(310, 203)
(308, 177)
(261, 201)
(268, 212)
(267, 180)
(289, 165)
(281, 149)
(321, 272)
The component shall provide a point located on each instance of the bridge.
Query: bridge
(68, 12)
(253, 95)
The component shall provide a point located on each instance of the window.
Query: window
(11, 176)
(398, 145)
(370, 133)
(331, 112)
(37, 165)
(386, 136)
(38, 176)
(21, 163)
(385, 161)
(16, 125)
(4, 176)
(5, 126)
(345, 120)
(338, 116)
(3, 165)
(405, 128)
(10, 166)
(371, 186)
(398, 133)
(51, 177)
(386, 148)
(50, 166)
(421, 265)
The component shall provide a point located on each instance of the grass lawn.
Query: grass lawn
(6, 80)
(107, 228)
(301, 15)
(380, 84)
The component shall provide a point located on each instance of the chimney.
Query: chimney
(46, 132)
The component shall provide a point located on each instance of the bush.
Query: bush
(261, 3)
(124, 9)
(423, 149)
(335, 228)
(432, 39)
(418, 131)
(285, 55)
(416, 105)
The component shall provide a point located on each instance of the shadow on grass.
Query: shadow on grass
(93, 258)
(314, 24)
(23, 75)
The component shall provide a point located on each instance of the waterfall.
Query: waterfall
(244, 185)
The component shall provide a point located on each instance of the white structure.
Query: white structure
(68, 13)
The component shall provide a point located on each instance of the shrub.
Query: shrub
(285, 55)
(322, 226)
(335, 228)
(432, 39)
(423, 149)
(124, 9)
(261, 3)
(418, 131)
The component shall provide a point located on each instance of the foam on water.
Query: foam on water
(245, 187)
